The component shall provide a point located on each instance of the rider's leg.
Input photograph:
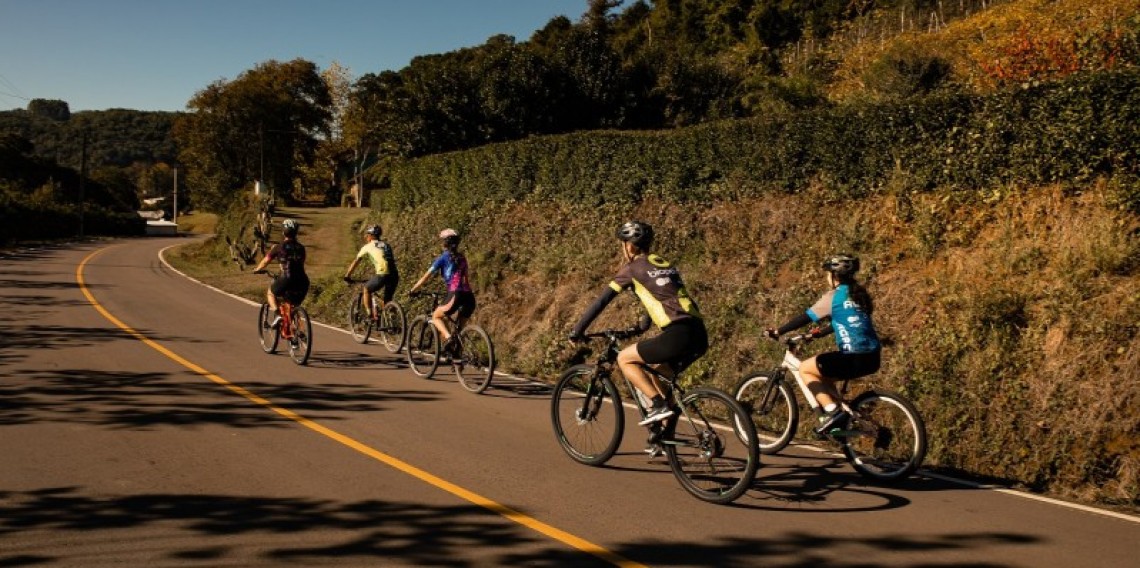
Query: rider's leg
(818, 385)
(630, 362)
(271, 299)
(438, 318)
(364, 299)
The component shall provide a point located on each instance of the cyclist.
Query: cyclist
(848, 305)
(384, 261)
(658, 285)
(460, 301)
(292, 284)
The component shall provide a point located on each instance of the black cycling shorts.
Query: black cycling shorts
(846, 366)
(293, 288)
(386, 281)
(462, 303)
(679, 344)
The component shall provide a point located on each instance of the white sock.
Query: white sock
(829, 408)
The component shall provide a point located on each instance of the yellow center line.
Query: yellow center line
(467, 495)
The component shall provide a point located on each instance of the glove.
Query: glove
(771, 333)
(347, 280)
(815, 333)
(262, 271)
(576, 337)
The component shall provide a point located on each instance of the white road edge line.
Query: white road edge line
(930, 474)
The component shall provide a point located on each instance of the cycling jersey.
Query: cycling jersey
(291, 255)
(658, 285)
(380, 253)
(453, 269)
(854, 332)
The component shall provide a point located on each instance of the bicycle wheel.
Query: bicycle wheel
(476, 363)
(711, 446)
(358, 321)
(423, 347)
(772, 406)
(587, 415)
(301, 345)
(268, 335)
(885, 439)
(393, 327)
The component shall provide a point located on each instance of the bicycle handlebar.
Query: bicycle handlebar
(422, 293)
(614, 334)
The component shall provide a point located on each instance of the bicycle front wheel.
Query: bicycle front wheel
(267, 334)
(423, 347)
(712, 446)
(587, 415)
(475, 365)
(301, 345)
(885, 440)
(359, 323)
(772, 405)
(393, 327)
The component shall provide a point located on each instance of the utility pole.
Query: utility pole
(175, 197)
(82, 181)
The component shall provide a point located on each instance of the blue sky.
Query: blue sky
(155, 54)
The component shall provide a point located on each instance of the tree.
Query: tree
(52, 109)
(264, 125)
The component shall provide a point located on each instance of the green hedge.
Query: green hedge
(1067, 131)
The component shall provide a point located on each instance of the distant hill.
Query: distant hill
(116, 137)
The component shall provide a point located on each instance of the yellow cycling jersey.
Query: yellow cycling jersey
(380, 253)
(658, 285)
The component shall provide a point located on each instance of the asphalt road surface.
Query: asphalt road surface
(141, 425)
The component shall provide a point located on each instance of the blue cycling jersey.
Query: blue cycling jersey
(453, 269)
(854, 332)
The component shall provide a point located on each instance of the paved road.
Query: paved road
(147, 428)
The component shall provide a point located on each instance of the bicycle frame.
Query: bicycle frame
(791, 365)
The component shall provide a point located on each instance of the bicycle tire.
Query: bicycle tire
(393, 330)
(423, 347)
(358, 321)
(886, 438)
(301, 345)
(771, 403)
(266, 334)
(586, 431)
(476, 365)
(711, 446)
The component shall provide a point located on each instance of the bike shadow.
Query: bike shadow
(354, 360)
(511, 387)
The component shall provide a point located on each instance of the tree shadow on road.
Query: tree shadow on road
(225, 529)
(133, 400)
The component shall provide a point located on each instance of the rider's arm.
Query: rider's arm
(351, 267)
(592, 312)
(644, 323)
(265, 260)
(794, 323)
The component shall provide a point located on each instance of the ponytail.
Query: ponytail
(858, 294)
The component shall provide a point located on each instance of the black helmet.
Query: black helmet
(373, 230)
(842, 265)
(636, 232)
(289, 228)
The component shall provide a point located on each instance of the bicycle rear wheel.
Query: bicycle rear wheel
(885, 439)
(423, 347)
(301, 345)
(476, 363)
(359, 323)
(712, 447)
(268, 335)
(772, 406)
(587, 415)
(393, 330)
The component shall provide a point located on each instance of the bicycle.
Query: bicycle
(472, 355)
(295, 327)
(390, 326)
(709, 442)
(884, 440)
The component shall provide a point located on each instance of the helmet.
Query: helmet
(373, 230)
(289, 227)
(636, 232)
(841, 265)
(449, 236)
